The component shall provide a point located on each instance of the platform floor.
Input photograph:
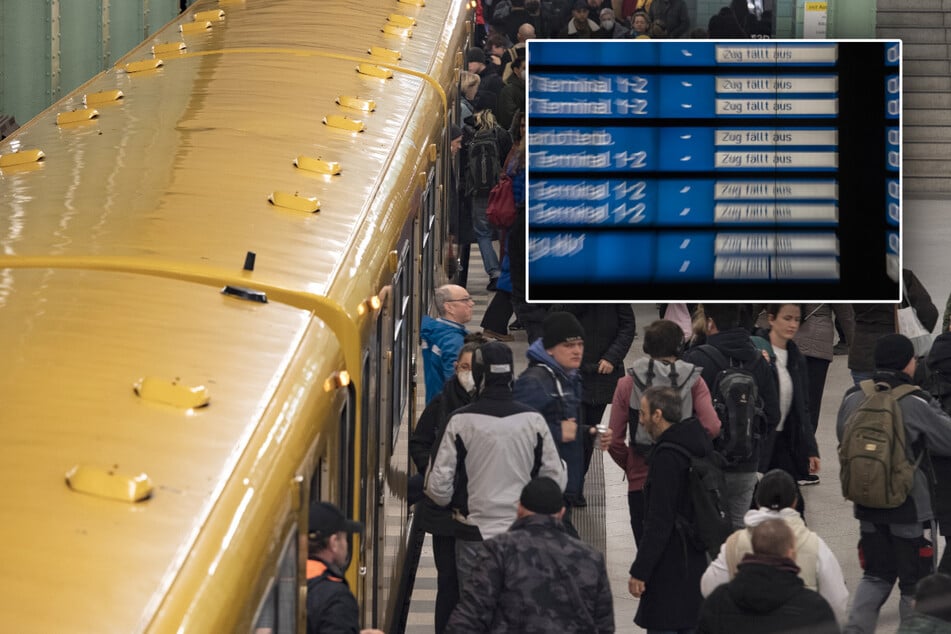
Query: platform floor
(605, 522)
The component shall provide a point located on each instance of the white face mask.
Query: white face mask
(607, 25)
(465, 380)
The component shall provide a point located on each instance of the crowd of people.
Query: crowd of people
(714, 426)
(679, 407)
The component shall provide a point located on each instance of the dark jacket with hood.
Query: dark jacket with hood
(766, 597)
(423, 443)
(490, 450)
(608, 334)
(668, 561)
(549, 389)
(876, 320)
(735, 344)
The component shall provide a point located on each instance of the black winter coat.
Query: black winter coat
(935, 378)
(798, 428)
(667, 561)
(331, 608)
(423, 443)
(764, 598)
(876, 320)
(608, 334)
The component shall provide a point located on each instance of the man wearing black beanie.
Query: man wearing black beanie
(552, 386)
(536, 577)
(892, 543)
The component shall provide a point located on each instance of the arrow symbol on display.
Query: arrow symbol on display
(685, 243)
(686, 137)
(683, 267)
(685, 211)
(685, 189)
(686, 158)
(686, 53)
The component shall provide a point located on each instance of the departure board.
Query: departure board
(713, 170)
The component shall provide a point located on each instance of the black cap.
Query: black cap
(893, 352)
(492, 365)
(475, 54)
(559, 327)
(542, 495)
(326, 520)
(580, 4)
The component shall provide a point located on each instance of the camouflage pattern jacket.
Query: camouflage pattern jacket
(536, 578)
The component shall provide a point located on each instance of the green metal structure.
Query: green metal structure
(49, 47)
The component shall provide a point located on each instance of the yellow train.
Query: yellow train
(162, 438)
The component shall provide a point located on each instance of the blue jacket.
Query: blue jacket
(536, 388)
(442, 340)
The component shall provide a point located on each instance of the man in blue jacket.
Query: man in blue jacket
(552, 385)
(442, 338)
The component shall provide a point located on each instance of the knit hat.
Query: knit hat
(560, 327)
(475, 54)
(893, 352)
(542, 495)
(492, 365)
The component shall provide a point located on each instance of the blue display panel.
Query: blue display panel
(671, 169)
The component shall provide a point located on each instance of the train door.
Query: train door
(372, 408)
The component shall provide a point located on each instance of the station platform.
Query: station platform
(605, 524)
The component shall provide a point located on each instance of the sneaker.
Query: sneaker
(580, 501)
(808, 480)
(491, 334)
(493, 284)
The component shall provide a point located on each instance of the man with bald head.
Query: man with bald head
(442, 337)
(767, 594)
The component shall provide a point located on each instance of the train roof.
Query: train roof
(178, 173)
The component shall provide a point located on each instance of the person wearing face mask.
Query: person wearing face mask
(423, 442)
(611, 29)
(489, 451)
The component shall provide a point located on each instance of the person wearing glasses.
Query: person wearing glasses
(442, 337)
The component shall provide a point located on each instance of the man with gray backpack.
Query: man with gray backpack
(630, 442)
(884, 426)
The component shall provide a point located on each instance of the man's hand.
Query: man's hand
(569, 430)
(605, 367)
(636, 587)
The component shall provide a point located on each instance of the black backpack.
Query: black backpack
(484, 166)
(738, 405)
(711, 525)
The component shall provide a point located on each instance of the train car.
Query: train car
(215, 256)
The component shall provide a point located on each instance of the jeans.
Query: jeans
(888, 552)
(738, 495)
(483, 234)
(858, 376)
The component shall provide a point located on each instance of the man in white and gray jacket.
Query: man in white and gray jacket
(490, 450)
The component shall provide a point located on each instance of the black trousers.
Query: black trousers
(498, 313)
(447, 581)
(816, 369)
(635, 503)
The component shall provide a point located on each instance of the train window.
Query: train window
(403, 308)
(428, 242)
(278, 611)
